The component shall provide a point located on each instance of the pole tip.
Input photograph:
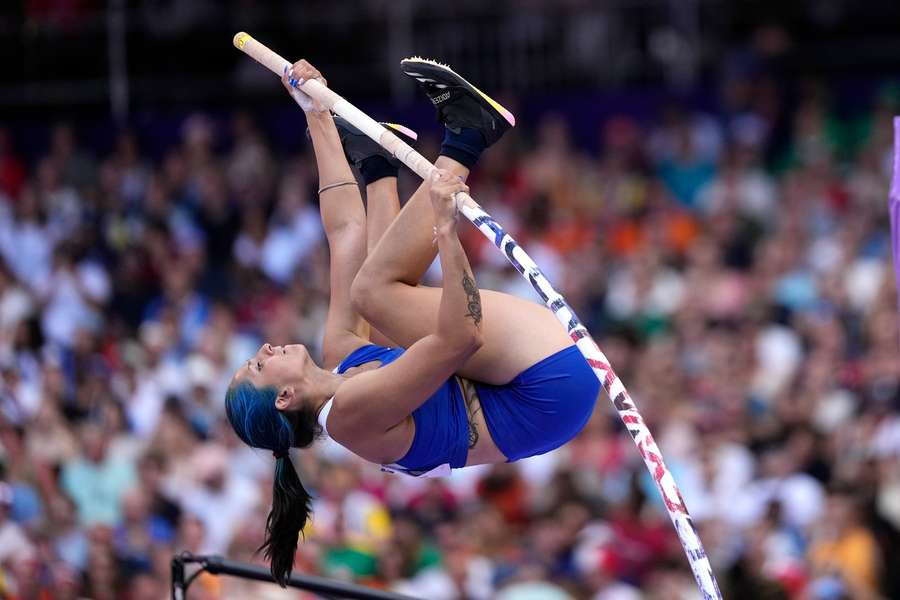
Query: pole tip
(240, 38)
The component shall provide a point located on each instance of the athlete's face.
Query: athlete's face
(281, 367)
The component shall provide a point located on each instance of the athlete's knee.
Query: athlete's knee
(364, 292)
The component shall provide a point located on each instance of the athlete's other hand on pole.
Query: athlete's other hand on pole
(294, 76)
(443, 188)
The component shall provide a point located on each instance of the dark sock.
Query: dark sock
(376, 167)
(464, 147)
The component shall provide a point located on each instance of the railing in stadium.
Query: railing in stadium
(217, 565)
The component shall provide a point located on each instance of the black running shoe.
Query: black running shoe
(358, 146)
(459, 103)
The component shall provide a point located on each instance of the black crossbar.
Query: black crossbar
(217, 565)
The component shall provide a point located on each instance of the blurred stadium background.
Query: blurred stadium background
(705, 180)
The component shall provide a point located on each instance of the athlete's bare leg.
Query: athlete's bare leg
(517, 333)
(382, 207)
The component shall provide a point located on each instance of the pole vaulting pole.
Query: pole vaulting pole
(623, 403)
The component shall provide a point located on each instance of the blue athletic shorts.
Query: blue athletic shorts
(543, 407)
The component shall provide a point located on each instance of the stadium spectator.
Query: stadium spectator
(733, 266)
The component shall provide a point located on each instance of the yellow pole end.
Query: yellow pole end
(240, 38)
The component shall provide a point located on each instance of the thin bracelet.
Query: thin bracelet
(334, 185)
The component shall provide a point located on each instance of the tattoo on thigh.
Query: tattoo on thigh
(474, 298)
(470, 396)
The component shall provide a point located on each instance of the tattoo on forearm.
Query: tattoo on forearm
(474, 298)
(470, 397)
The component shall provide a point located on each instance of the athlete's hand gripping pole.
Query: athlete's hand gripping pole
(626, 408)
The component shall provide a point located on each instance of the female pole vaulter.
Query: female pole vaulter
(468, 377)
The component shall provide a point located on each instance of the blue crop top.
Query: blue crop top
(442, 427)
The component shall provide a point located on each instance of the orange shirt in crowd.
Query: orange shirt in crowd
(854, 556)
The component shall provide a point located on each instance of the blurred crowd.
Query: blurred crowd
(734, 267)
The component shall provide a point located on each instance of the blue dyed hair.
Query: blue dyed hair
(255, 419)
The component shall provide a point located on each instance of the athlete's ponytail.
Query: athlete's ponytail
(291, 505)
(259, 424)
